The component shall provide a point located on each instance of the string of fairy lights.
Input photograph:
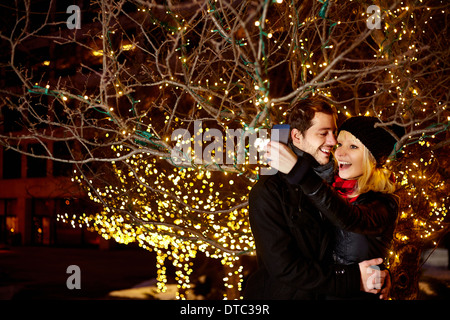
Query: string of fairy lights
(179, 211)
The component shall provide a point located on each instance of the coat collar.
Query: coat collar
(326, 171)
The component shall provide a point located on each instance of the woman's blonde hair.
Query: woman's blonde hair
(374, 178)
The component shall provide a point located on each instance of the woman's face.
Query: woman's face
(350, 156)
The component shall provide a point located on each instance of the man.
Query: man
(293, 240)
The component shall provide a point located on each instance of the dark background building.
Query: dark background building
(34, 190)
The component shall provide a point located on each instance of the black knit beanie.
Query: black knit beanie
(379, 141)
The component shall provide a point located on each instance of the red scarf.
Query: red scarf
(345, 187)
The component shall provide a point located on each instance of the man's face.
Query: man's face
(319, 139)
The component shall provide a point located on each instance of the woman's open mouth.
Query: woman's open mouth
(344, 165)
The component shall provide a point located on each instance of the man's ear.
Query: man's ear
(296, 136)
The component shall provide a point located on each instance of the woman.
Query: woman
(360, 202)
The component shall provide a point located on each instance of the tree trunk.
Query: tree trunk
(405, 272)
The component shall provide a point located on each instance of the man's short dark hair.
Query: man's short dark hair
(303, 111)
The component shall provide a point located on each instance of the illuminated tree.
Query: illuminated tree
(159, 88)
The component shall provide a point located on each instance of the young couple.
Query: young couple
(322, 226)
